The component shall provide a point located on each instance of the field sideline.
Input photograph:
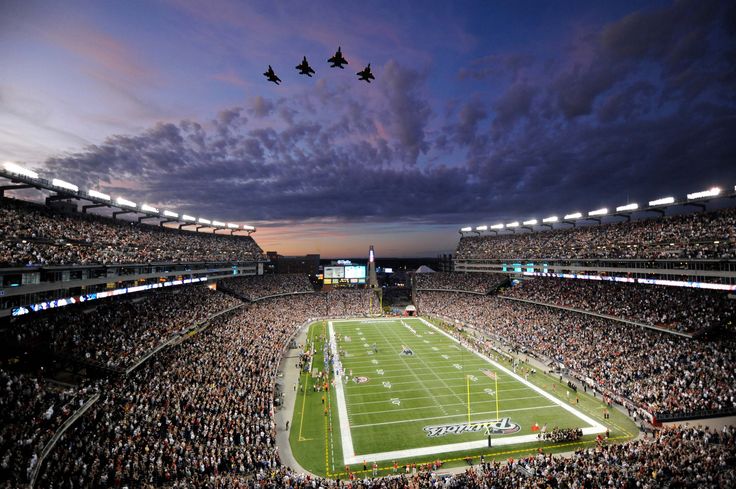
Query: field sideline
(438, 401)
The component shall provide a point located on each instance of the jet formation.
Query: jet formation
(336, 61)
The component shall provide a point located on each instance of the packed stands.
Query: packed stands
(32, 234)
(674, 457)
(482, 283)
(348, 302)
(202, 410)
(256, 287)
(680, 308)
(661, 373)
(116, 333)
(168, 426)
(691, 236)
(31, 410)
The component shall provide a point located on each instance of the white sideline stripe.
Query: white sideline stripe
(465, 414)
(525, 382)
(346, 437)
(452, 447)
(350, 458)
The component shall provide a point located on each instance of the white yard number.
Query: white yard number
(473, 378)
(435, 348)
(374, 361)
(426, 341)
(445, 357)
(396, 400)
(387, 385)
(489, 392)
(365, 344)
(379, 371)
(457, 366)
(369, 352)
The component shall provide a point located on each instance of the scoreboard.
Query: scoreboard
(344, 274)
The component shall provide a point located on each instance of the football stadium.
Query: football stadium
(498, 253)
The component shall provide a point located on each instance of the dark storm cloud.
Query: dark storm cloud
(633, 109)
(409, 110)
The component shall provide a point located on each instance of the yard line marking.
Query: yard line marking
(461, 415)
(355, 413)
(439, 405)
(368, 386)
(442, 381)
(594, 424)
(383, 401)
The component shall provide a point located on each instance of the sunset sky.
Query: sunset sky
(480, 111)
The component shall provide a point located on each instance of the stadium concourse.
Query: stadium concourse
(184, 394)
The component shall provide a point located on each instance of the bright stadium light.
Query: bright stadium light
(627, 207)
(530, 222)
(170, 214)
(598, 212)
(481, 228)
(705, 193)
(574, 215)
(249, 228)
(466, 229)
(497, 226)
(550, 219)
(514, 224)
(19, 170)
(202, 220)
(232, 226)
(62, 184)
(125, 202)
(189, 218)
(149, 208)
(662, 201)
(218, 224)
(98, 195)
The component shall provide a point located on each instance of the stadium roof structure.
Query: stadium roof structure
(22, 178)
(659, 206)
(424, 269)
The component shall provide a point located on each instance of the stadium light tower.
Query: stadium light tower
(376, 291)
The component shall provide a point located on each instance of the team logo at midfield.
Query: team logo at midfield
(360, 380)
(503, 426)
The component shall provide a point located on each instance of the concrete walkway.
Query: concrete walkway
(288, 378)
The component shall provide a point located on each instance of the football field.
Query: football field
(404, 389)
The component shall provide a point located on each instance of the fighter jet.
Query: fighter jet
(337, 60)
(366, 74)
(272, 76)
(304, 68)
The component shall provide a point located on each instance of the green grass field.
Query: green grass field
(438, 402)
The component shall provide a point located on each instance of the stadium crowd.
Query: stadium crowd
(680, 308)
(659, 372)
(32, 234)
(31, 410)
(256, 287)
(674, 457)
(693, 236)
(469, 282)
(201, 412)
(116, 333)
